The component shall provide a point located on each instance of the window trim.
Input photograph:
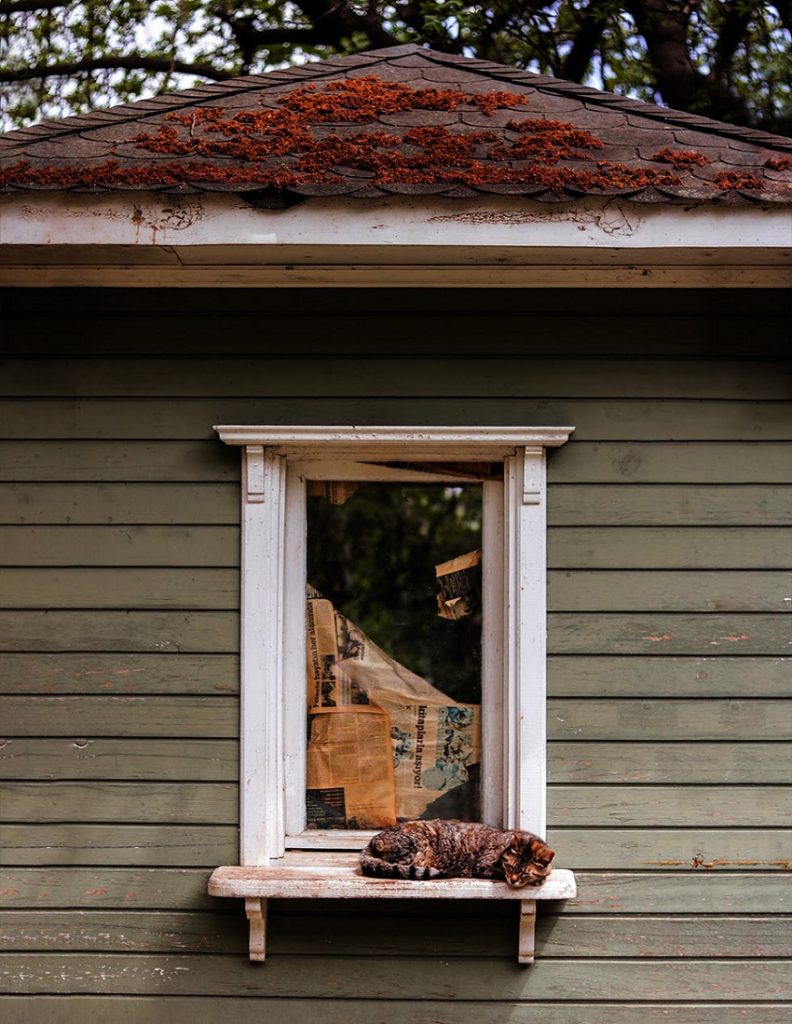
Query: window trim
(272, 639)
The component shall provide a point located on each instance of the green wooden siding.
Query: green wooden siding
(670, 639)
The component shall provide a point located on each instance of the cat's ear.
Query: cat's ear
(542, 853)
(538, 849)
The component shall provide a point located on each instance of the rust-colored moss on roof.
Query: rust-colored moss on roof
(404, 120)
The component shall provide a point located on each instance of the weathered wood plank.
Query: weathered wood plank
(216, 589)
(688, 462)
(577, 462)
(606, 676)
(568, 547)
(669, 633)
(399, 333)
(717, 763)
(168, 302)
(104, 460)
(114, 888)
(325, 303)
(339, 876)
(658, 891)
(568, 841)
(690, 504)
(404, 978)
(215, 803)
(177, 803)
(568, 804)
(395, 933)
(568, 718)
(149, 760)
(677, 936)
(119, 545)
(199, 589)
(668, 806)
(597, 590)
(218, 761)
(672, 548)
(483, 376)
(217, 632)
(154, 632)
(83, 717)
(122, 845)
(568, 504)
(616, 419)
(625, 719)
(571, 675)
(124, 930)
(78, 673)
(127, 503)
(208, 1010)
(588, 849)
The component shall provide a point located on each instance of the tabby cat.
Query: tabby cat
(457, 849)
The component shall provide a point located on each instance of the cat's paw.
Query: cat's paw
(425, 872)
(375, 867)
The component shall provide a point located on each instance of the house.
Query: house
(396, 240)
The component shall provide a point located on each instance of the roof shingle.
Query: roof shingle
(405, 121)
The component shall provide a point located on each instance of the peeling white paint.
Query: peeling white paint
(613, 219)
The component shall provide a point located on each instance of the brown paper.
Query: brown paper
(349, 761)
(428, 746)
(349, 757)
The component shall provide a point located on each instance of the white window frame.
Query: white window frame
(276, 462)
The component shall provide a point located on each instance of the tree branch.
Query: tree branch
(435, 35)
(732, 32)
(335, 22)
(132, 63)
(681, 84)
(250, 38)
(665, 34)
(587, 39)
(784, 9)
(21, 6)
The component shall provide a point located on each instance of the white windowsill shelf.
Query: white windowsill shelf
(339, 877)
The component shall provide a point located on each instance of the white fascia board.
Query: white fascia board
(186, 223)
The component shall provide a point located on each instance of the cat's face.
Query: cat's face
(526, 861)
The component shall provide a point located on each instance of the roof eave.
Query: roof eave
(152, 241)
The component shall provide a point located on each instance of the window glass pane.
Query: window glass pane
(393, 653)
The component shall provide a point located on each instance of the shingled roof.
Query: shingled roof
(404, 120)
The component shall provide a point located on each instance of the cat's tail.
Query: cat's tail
(378, 868)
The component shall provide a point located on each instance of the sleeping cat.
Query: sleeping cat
(457, 849)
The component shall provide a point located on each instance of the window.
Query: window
(295, 481)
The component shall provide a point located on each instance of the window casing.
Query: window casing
(276, 463)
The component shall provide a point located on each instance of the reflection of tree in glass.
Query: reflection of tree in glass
(374, 557)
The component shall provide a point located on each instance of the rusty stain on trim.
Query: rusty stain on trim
(699, 862)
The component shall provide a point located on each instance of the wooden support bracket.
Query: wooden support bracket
(525, 941)
(256, 910)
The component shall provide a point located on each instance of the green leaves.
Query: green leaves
(738, 52)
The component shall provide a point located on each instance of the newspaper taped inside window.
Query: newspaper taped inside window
(393, 653)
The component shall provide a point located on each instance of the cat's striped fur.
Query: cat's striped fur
(457, 849)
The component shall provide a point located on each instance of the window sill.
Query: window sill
(339, 877)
